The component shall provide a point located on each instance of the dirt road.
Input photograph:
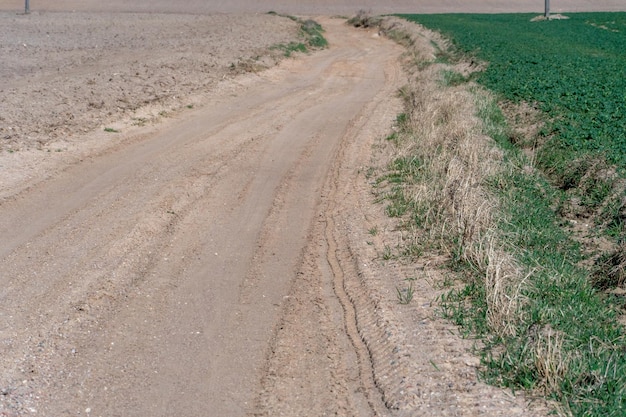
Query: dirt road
(150, 280)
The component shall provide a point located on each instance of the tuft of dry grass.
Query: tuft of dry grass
(364, 19)
(550, 361)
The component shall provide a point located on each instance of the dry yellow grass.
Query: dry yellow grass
(446, 134)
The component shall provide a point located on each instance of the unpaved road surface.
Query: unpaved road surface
(150, 279)
(223, 264)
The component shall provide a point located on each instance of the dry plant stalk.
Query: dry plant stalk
(447, 135)
(549, 361)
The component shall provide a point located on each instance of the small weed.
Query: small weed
(448, 281)
(111, 130)
(189, 106)
(405, 295)
(393, 137)
(402, 120)
(373, 231)
(387, 253)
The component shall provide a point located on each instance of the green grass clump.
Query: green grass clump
(291, 47)
(453, 78)
(311, 34)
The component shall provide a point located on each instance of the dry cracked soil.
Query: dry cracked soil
(182, 236)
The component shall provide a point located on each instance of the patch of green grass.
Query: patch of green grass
(494, 122)
(290, 48)
(314, 34)
(615, 211)
(311, 34)
(466, 307)
(453, 78)
(401, 172)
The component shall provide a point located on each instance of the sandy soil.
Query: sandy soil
(213, 260)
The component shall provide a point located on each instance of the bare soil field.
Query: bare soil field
(211, 253)
(66, 74)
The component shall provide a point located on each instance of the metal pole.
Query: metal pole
(547, 15)
(27, 7)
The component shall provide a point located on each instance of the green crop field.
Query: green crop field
(574, 72)
(575, 69)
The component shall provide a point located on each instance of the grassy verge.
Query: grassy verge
(459, 185)
(311, 35)
(567, 341)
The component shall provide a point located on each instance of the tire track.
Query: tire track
(373, 393)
